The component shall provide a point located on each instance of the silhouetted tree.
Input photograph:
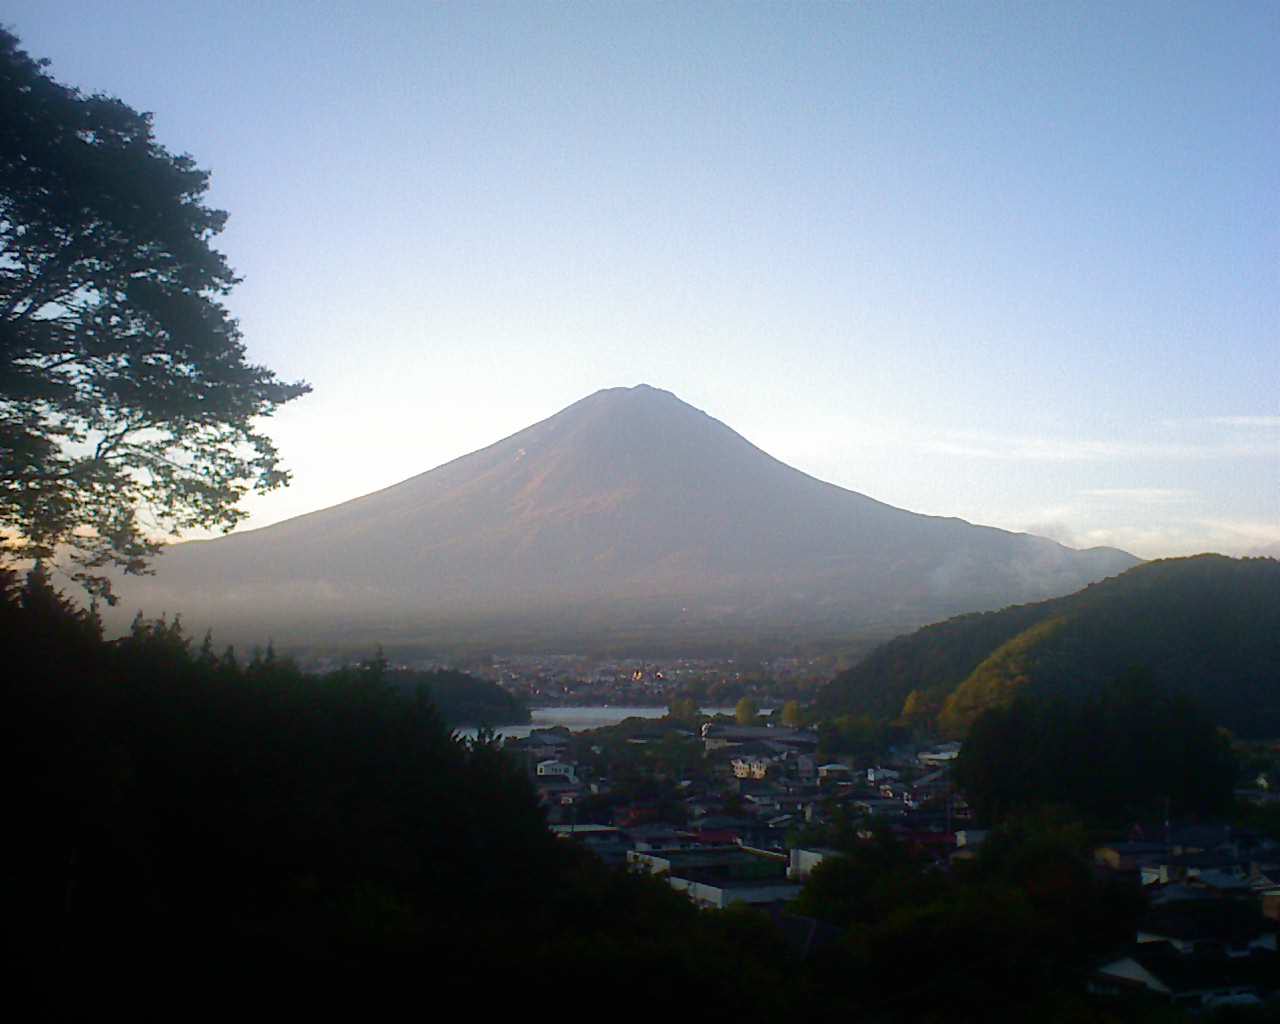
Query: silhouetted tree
(123, 379)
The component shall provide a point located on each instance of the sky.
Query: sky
(1013, 262)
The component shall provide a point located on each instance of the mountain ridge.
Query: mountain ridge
(627, 496)
(1207, 627)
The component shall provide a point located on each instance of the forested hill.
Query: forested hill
(245, 829)
(1207, 627)
(462, 699)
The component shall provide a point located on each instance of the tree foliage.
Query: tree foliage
(461, 699)
(684, 708)
(1131, 750)
(1006, 938)
(746, 711)
(996, 681)
(127, 407)
(859, 735)
(864, 882)
(200, 813)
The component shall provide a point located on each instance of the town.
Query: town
(742, 812)
(576, 679)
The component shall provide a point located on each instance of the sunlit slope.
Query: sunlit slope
(628, 498)
(1207, 626)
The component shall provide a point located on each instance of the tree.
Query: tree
(684, 708)
(124, 387)
(918, 708)
(746, 711)
(792, 714)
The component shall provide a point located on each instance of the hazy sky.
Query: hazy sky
(1018, 262)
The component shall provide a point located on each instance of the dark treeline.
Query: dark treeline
(174, 809)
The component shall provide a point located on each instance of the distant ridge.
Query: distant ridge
(1207, 627)
(628, 510)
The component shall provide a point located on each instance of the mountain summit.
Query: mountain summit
(627, 508)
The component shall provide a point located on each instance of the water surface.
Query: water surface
(579, 719)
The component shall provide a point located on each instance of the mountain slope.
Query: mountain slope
(1207, 627)
(629, 503)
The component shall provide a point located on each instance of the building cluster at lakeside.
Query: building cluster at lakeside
(556, 680)
(573, 679)
(747, 828)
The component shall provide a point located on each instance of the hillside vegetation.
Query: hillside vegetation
(460, 698)
(1206, 627)
(245, 827)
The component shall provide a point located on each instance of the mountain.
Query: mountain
(1207, 627)
(628, 511)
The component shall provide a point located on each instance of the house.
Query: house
(803, 860)
(1200, 954)
(1226, 927)
(895, 791)
(557, 768)
(1221, 869)
(716, 735)
(605, 841)
(1191, 982)
(723, 830)
(543, 744)
(721, 876)
(1271, 904)
(761, 803)
(753, 766)
(878, 807)
(940, 756)
(1128, 856)
(933, 786)
(650, 837)
(556, 789)
(720, 893)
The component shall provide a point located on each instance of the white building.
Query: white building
(563, 769)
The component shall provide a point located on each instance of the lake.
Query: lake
(578, 719)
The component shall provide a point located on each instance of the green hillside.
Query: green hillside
(1207, 627)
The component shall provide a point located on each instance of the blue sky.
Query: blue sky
(1018, 263)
